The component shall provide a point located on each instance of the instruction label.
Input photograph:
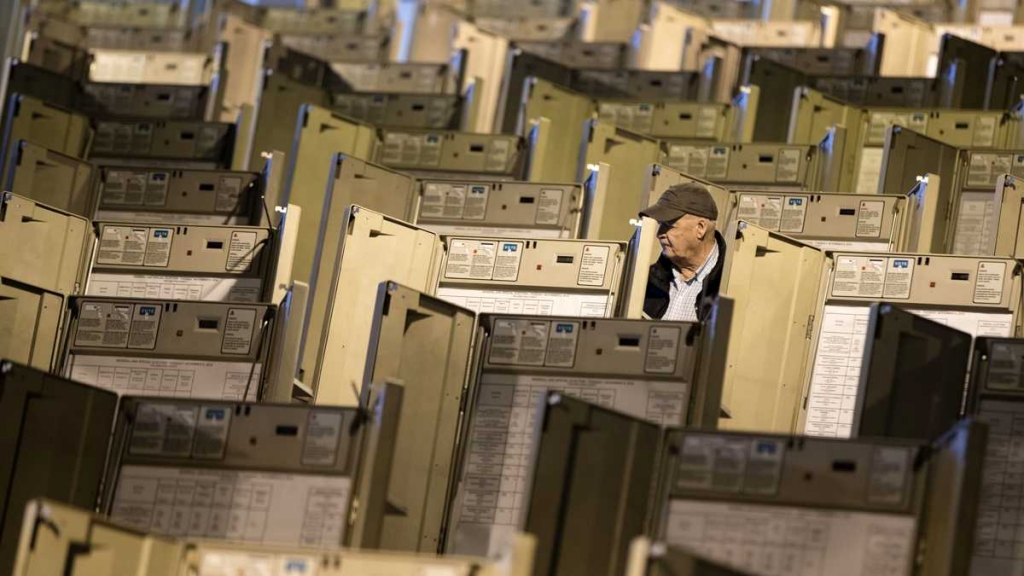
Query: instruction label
(662, 349)
(241, 251)
(534, 302)
(707, 122)
(323, 436)
(869, 219)
(519, 342)
(549, 207)
(788, 167)
(890, 474)
(210, 289)
(872, 277)
(135, 246)
(794, 212)
(985, 168)
(593, 265)
(135, 188)
(238, 331)
(976, 224)
(114, 325)
(735, 465)
(483, 260)
(984, 131)
(163, 430)
(988, 283)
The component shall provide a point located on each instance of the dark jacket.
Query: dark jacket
(659, 284)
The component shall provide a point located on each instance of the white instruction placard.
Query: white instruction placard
(261, 507)
(549, 207)
(835, 378)
(207, 288)
(503, 444)
(536, 302)
(976, 224)
(166, 377)
(593, 265)
(997, 551)
(495, 231)
(776, 540)
(869, 219)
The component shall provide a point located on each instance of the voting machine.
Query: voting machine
(52, 178)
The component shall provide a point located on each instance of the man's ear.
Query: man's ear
(702, 228)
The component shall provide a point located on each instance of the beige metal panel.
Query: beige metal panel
(608, 20)
(398, 77)
(545, 276)
(340, 47)
(43, 246)
(1010, 203)
(526, 29)
(60, 530)
(147, 15)
(279, 114)
(219, 263)
(622, 365)
(814, 114)
(667, 119)
(739, 165)
(928, 227)
(497, 208)
(454, 152)
(313, 21)
(827, 221)
(930, 494)
(188, 144)
(422, 343)
(114, 36)
(169, 347)
(985, 212)
(319, 136)
(568, 113)
(773, 280)
(401, 111)
(613, 202)
(137, 101)
(151, 67)
(54, 54)
(980, 295)
(180, 196)
(58, 180)
(242, 63)
(54, 128)
(373, 248)
(297, 460)
(905, 40)
(30, 324)
(486, 54)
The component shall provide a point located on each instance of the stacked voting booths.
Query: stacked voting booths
(790, 504)
(976, 295)
(485, 274)
(658, 372)
(866, 129)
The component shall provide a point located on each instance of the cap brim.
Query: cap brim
(662, 213)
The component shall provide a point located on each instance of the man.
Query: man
(688, 273)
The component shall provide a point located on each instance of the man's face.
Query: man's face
(681, 238)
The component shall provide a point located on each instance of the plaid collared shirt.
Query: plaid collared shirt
(683, 294)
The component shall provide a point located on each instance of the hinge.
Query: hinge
(810, 327)
(353, 513)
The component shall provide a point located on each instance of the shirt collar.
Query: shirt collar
(702, 272)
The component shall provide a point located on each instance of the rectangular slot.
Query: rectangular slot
(163, 97)
(214, 245)
(629, 341)
(963, 125)
(564, 259)
(208, 324)
(207, 187)
(765, 158)
(527, 199)
(844, 466)
(284, 430)
(476, 147)
(418, 107)
(686, 116)
(188, 136)
(847, 212)
(961, 276)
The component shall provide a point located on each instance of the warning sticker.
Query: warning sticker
(549, 207)
(898, 275)
(103, 325)
(593, 265)
(984, 131)
(859, 276)
(241, 251)
(562, 339)
(158, 249)
(323, 434)
(470, 259)
(454, 201)
(662, 349)
(145, 325)
(522, 342)
(476, 202)
(121, 243)
(713, 162)
(869, 219)
(238, 331)
(749, 209)
(163, 429)
(794, 211)
(988, 286)
(212, 432)
(771, 212)
(788, 167)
